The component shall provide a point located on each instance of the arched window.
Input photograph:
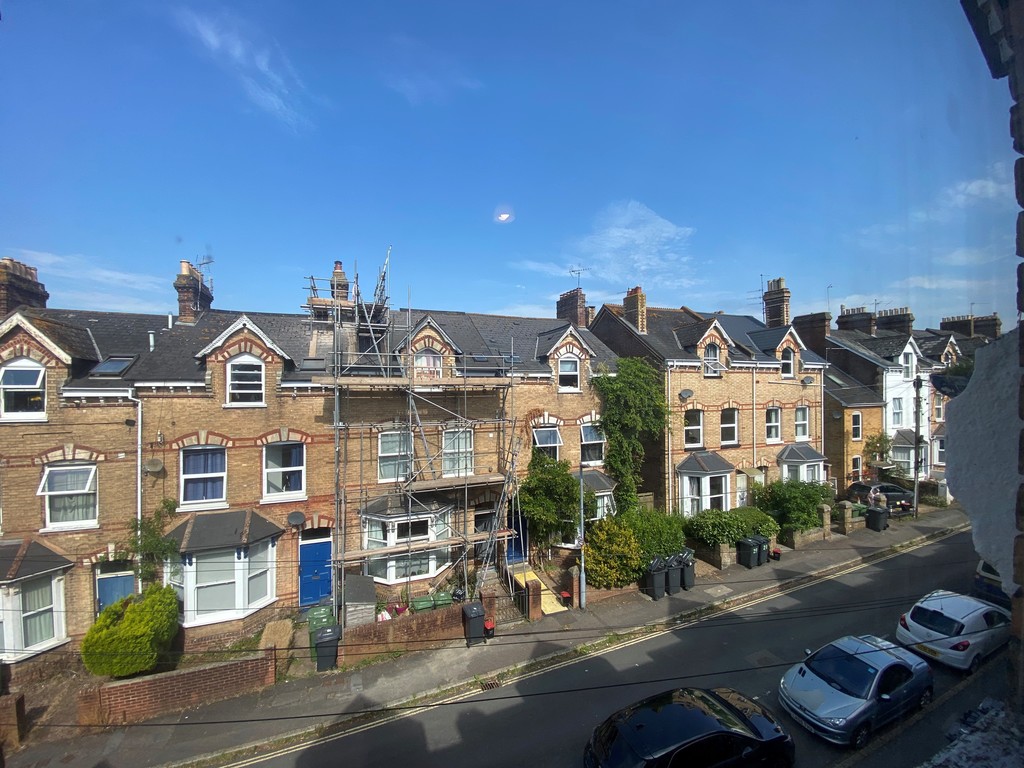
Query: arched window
(245, 380)
(712, 360)
(23, 391)
(569, 374)
(427, 363)
(787, 363)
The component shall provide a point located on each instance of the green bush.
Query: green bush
(716, 526)
(758, 522)
(932, 501)
(613, 554)
(793, 503)
(130, 636)
(658, 533)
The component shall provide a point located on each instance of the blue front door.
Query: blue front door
(515, 552)
(111, 588)
(314, 572)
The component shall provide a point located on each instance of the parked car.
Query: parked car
(988, 585)
(956, 630)
(895, 495)
(692, 727)
(848, 689)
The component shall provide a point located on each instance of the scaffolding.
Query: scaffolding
(369, 356)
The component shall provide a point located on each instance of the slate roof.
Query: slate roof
(704, 462)
(904, 437)
(849, 392)
(598, 481)
(673, 334)
(205, 531)
(24, 558)
(489, 344)
(858, 342)
(800, 452)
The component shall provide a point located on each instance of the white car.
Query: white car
(953, 629)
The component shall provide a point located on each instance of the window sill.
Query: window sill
(22, 417)
(694, 447)
(89, 525)
(201, 506)
(593, 463)
(281, 498)
(455, 475)
(773, 441)
(14, 657)
(805, 439)
(569, 391)
(223, 616)
(245, 405)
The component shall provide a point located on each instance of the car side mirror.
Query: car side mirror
(885, 697)
(807, 652)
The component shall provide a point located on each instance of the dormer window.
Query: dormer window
(712, 360)
(908, 365)
(23, 391)
(245, 381)
(569, 374)
(427, 363)
(787, 363)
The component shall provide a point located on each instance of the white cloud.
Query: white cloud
(260, 66)
(628, 245)
(422, 75)
(947, 283)
(75, 280)
(969, 257)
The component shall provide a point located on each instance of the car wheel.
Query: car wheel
(860, 737)
(974, 665)
(926, 698)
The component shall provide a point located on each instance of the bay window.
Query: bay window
(224, 584)
(421, 562)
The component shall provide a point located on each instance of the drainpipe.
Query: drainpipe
(138, 474)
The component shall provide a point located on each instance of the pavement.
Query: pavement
(297, 708)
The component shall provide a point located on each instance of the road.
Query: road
(545, 719)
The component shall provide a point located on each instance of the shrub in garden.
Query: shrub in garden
(792, 502)
(130, 636)
(613, 554)
(716, 526)
(758, 522)
(658, 534)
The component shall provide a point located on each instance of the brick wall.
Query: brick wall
(132, 701)
(418, 631)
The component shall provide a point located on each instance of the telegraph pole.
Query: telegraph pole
(583, 565)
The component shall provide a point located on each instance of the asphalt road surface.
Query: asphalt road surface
(545, 719)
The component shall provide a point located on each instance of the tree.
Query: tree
(880, 447)
(147, 548)
(632, 410)
(549, 498)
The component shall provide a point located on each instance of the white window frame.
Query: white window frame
(33, 380)
(245, 382)
(802, 422)
(787, 360)
(712, 360)
(897, 411)
(396, 568)
(428, 363)
(400, 459)
(938, 407)
(277, 475)
(940, 450)
(773, 425)
(569, 374)
(907, 360)
(732, 426)
(904, 456)
(605, 506)
(86, 487)
(547, 444)
(14, 643)
(591, 439)
(856, 426)
(693, 428)
(457, 455)
(700, 492)
(252, 565)
(210, 502)
(856, 468)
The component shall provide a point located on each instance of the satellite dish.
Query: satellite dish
(295, 519)
(685, 394)
(152, 466)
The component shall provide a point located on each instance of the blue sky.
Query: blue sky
(858, 148)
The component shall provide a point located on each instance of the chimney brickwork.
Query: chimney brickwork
(813, 330)
(776, 304)
(20, 287)
(634, 308)
(194, 297)
(970, 325)
(856, 319)
(572, 306)
(900, 319)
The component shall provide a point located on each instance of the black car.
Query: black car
(692, 727)
(895, 495)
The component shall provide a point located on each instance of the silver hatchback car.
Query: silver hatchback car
(955, 629)
(849, 688)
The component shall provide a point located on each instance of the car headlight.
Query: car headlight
(836, 722)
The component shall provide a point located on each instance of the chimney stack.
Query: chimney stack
(20, 287)
(896, 320)
(194, 296)
(339, 283)
(969, 325)
(776, 304)
(572, 306)
(856, 319)
(635, 309)
(813, 330)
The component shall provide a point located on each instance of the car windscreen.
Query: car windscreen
(842, 670)
(936, 621)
